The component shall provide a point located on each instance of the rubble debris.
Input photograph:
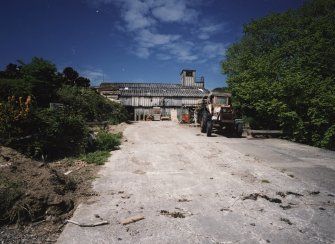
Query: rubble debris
(275, 200)
(132, 219)
(226, 209)
(282, 194)
(286, 221)
(183, 200)
(174, 214)
(285, 207)
(139, 172)
(254, 197)
(294, 193)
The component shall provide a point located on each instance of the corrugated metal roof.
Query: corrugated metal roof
(137, 85)
(152, 90)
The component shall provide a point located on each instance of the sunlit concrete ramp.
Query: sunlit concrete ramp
(179, 186)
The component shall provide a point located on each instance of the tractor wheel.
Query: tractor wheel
(230, 131)
(239, 130)
(209, 127)
(203, 122)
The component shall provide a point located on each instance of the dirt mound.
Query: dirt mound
(39, 194)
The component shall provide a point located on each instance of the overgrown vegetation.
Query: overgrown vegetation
(98, 157)
(92, 107)
(106, 141)
(29, 124)
(282, 73)
(10, 191)
(101, 146)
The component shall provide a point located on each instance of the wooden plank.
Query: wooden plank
(132, 219)
(266, 132)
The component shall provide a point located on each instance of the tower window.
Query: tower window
(189, 73)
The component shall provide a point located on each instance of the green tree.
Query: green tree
(283, 75)
(221, 89)
(39, 69)
(41, 76)
(70, 75)
(12, 71)
(72, 78)
(82, 81)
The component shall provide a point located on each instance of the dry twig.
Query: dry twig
(87, 225)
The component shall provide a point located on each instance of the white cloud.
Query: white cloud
(148, 39)
(163, 56)
(206, 31)
(213, 50)
(182, 51)
(142, 52)
(97, 3)
(212, 28)
(203, 36)
(95, 75)
(136, 14)
(142, 21)
(173, 11)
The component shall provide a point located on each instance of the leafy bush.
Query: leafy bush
(48, 134)
(60, 133)
(98, 157)
(14, 115)
(14, 87)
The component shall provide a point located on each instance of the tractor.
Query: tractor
(215, 110)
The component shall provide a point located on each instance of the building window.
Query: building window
(189, 73)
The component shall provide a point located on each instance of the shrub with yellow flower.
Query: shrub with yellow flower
(15, 109)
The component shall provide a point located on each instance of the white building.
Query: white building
(173, 99)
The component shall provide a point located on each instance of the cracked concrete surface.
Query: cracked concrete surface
(195, 189)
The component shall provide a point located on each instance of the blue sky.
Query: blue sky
(129, 40)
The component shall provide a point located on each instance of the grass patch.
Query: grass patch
(97, 157)
(265, 181)
(102, 145)
(106, 141)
